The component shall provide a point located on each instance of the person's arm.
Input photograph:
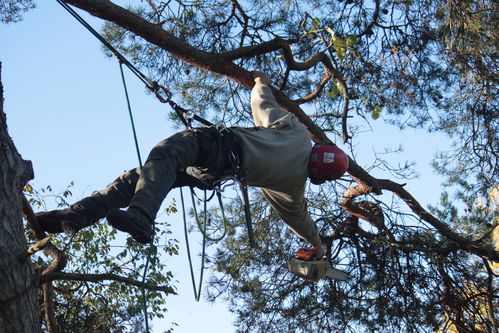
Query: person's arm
(264, 106)
(292, 209)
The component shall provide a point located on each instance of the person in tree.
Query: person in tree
(276, 155)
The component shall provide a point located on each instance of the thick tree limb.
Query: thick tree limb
(59, 260)
(53, 276)
(18, 281)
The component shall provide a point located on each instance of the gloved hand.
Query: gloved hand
(195, 177)
(312, 253)
(264, 79)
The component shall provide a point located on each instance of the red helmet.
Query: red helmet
(326, 162)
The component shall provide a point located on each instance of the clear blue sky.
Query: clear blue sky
(66, 113)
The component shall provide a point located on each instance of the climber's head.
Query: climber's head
(326, 162)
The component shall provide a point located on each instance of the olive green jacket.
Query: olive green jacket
(275, 156)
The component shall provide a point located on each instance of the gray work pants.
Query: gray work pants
(189, 158)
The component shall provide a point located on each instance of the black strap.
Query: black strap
(247, 213)
(234, 156)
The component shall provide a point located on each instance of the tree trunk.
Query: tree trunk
(19, 310)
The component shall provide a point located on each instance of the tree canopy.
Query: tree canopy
(339, 66)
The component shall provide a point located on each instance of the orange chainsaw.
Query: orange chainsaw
(305, 266)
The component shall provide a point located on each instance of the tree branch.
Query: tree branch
(463, 242)
(209, 61)
(490, 289)
(285, 46)
(53, 276)
(374, 20)
(59, 260)
(48, 308)
(273, 45)
(313, 95)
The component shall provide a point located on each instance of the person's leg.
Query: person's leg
(203, 147)
(90, 210)
(159, 175)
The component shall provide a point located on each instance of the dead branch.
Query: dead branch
(324, 115)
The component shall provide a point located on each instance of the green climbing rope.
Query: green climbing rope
(130, 115)
(197, 289)
(202, 227)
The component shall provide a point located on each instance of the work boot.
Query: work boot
(79, 215)
(64, 220)
(132, 221)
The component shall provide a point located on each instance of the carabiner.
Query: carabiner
(162, 89)
(223, 183)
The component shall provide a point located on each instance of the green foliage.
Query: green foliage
(376, 112)
(334, 91)
(388, 290)
(426, 64)
(468, 298)
(11, 10)
(107, 306)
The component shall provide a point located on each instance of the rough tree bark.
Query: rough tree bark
(18, 279)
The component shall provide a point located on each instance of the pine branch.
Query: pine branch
(54, 276)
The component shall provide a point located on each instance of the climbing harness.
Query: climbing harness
(234, 156)
(229, 141)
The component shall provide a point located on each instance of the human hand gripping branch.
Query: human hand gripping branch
(264, 79)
